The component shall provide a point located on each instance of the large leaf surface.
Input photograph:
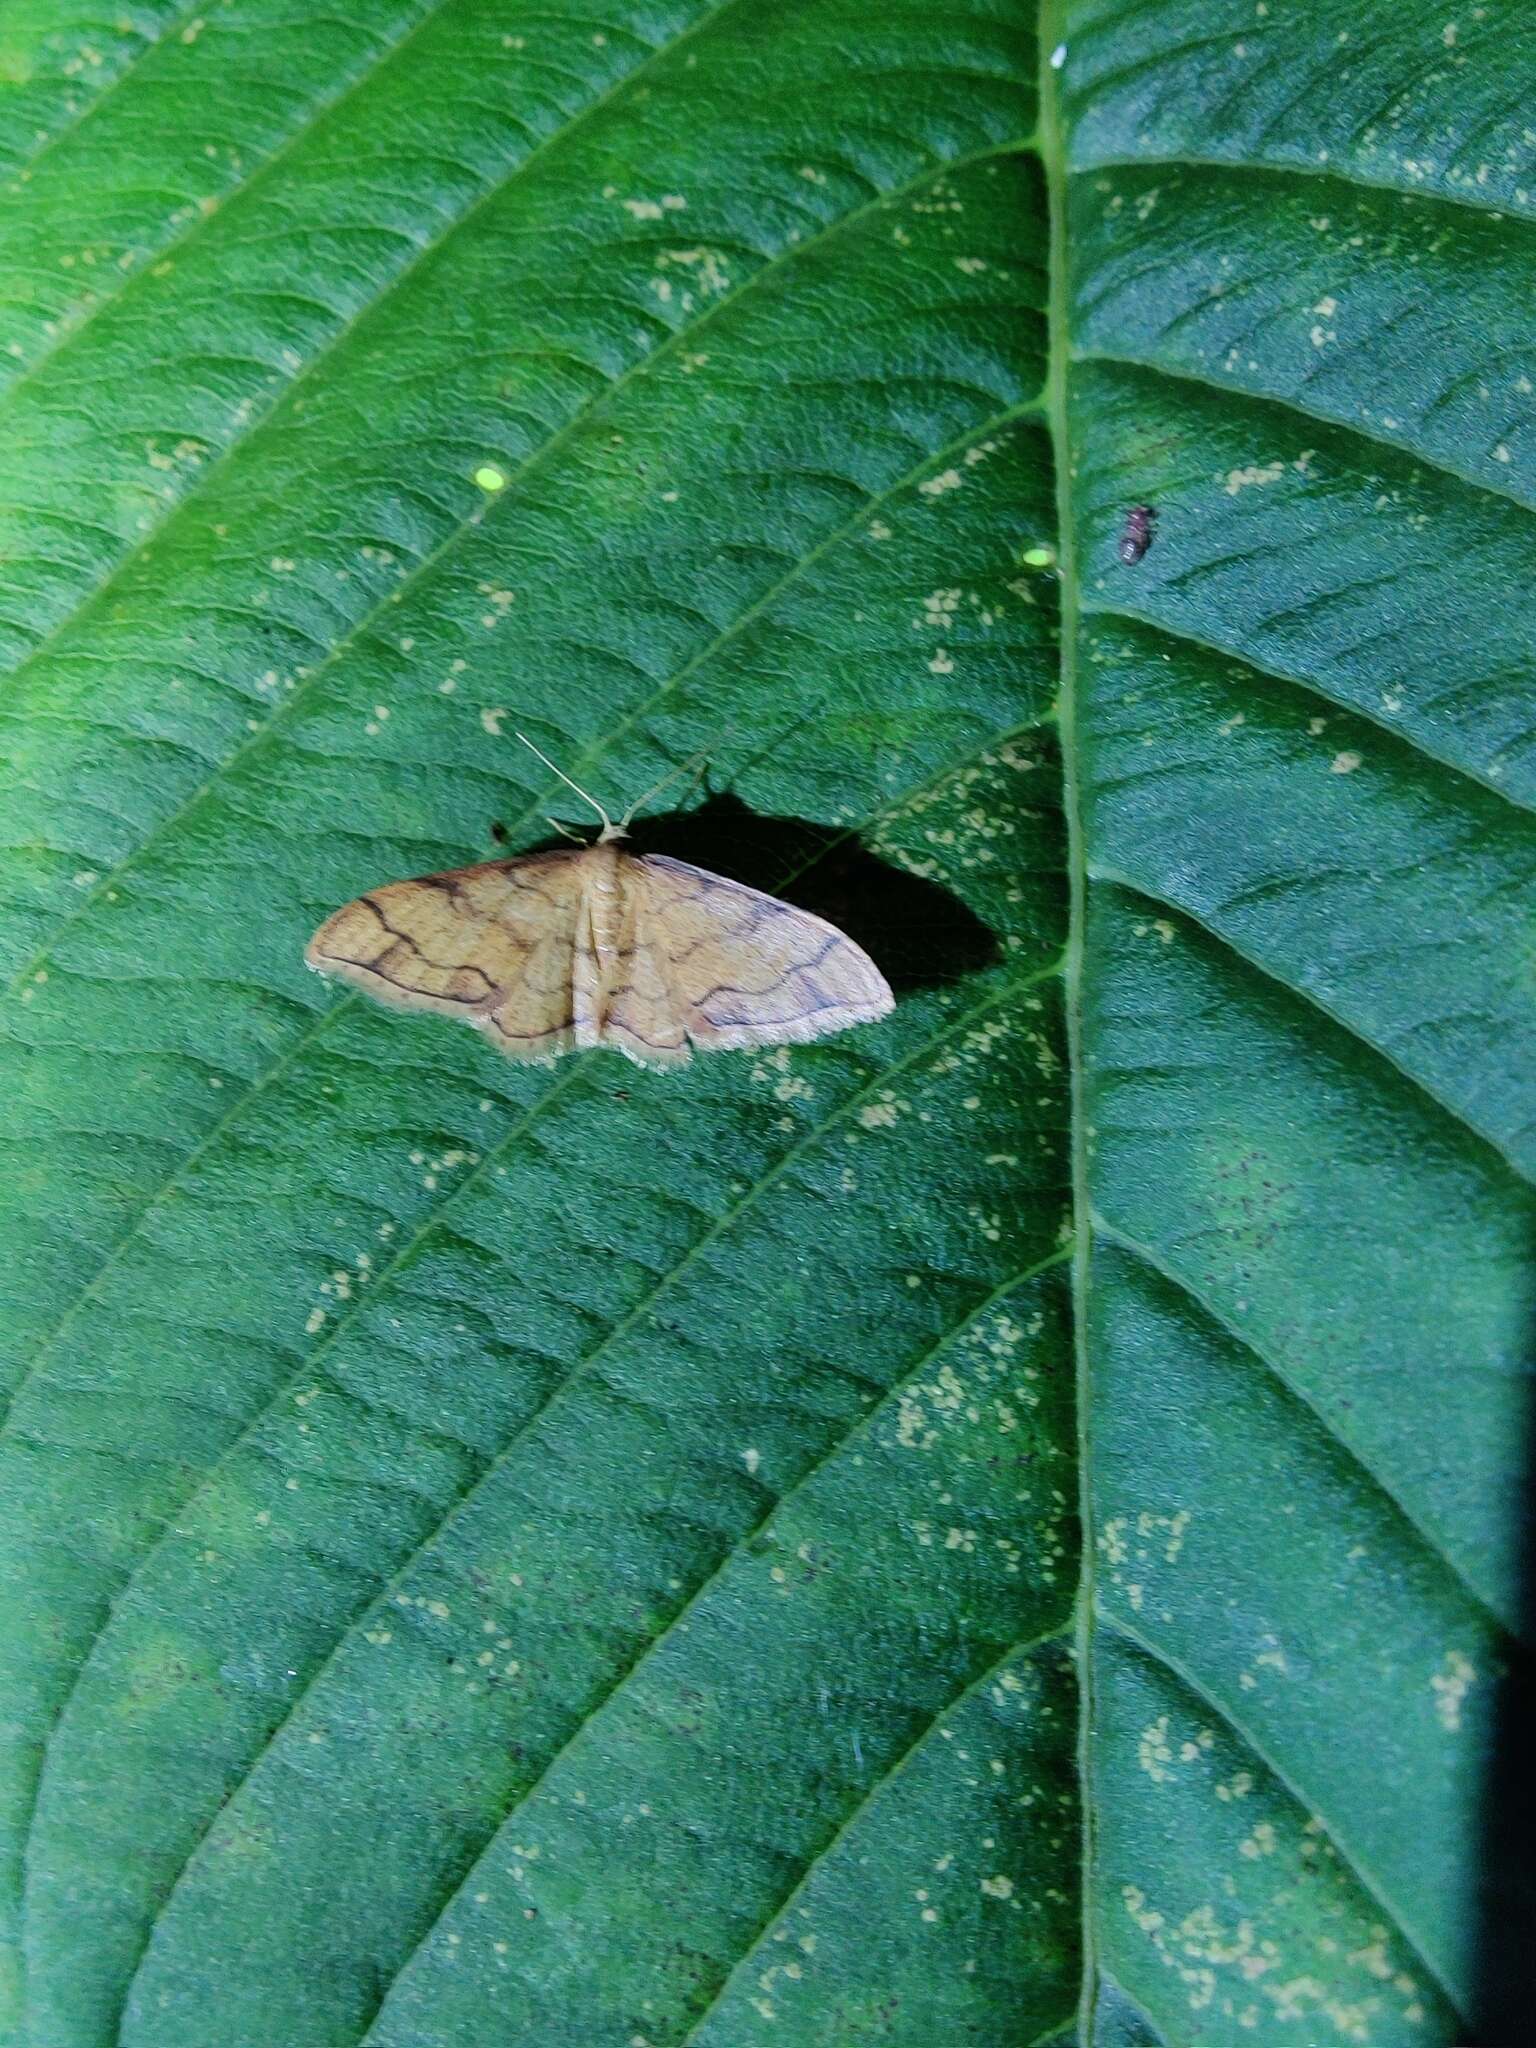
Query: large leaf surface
(1301, 755)
(591, 1557)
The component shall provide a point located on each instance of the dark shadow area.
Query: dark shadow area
(1505, 1988)
(915, 931)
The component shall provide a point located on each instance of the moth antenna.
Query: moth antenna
(769, 747)
(697, 762)
(610, 830)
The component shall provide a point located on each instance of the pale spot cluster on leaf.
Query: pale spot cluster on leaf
(883, 1111)
(648, 209)
(1154, 1751)
(1450, 1686)
(1232, 1969)
(1252, 474)
(434, 1165)
(1268, 1658)
(984, 1384)
(704, 275)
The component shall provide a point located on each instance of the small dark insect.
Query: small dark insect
(499, 832)
(1136, 535)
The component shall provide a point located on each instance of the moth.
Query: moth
(552, 952)
(1136, 534)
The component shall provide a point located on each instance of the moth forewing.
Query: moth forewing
(601, 946)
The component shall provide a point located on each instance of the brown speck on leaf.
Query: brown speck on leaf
(1136, 535)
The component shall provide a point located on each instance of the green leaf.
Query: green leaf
(1299, 754)
(589, 1556)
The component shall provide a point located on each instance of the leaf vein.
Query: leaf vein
(215, 1131)
(69, 334)
(892, 808)
(1131, 615)
(172, 25)
(1315, 1000)
(1182, 1285)
(664, 691)
(1180, 373)
(1335, 173)
(866, 1800)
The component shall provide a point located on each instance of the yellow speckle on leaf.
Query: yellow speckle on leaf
(1450, 1686)
(1154, 1751)
(1254, 473)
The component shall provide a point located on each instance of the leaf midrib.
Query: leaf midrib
(1054, 165)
